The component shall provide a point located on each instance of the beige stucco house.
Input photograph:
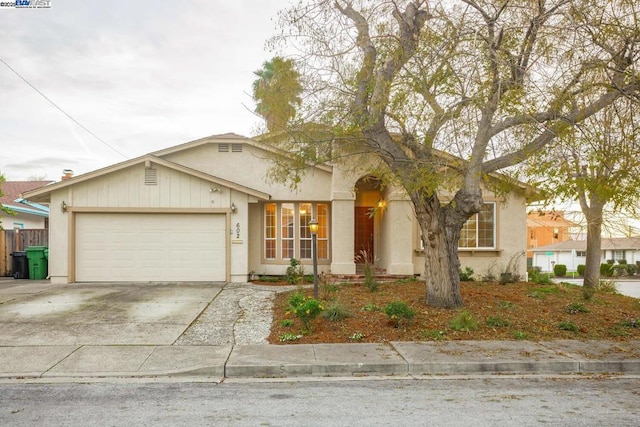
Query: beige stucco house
(204, 211)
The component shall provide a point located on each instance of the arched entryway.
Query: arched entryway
(368, 196)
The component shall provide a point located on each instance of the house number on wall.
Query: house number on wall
(237, 230)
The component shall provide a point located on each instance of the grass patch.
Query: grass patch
(568, 326)
(336, 312)
(576, 308)
(497, 322)
(464, 321)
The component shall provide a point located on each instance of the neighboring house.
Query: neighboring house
(27, 215)
(573, 252)
(204, 211)
(546, 228)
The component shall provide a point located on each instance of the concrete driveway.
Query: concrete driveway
(38, 313)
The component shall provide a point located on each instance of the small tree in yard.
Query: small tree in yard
(445, 94)
(598, 164)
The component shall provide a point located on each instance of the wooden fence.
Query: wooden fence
(12, 241)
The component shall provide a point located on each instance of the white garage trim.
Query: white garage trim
(116, 244)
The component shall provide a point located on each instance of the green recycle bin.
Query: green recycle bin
(37, 262)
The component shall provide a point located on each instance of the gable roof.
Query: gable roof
(548, 219)
(11, 199)
(44, 194)
(231, 138)
(611, 244)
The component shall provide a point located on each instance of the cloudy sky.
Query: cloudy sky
(141, 75)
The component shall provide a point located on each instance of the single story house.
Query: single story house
(205, 211)
(27, 215)
(573, 252)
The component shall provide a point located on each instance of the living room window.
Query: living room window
(479, 230)
(287, 234)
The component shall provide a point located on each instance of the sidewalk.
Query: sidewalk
(400, 359)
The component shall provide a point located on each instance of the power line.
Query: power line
(62, 111)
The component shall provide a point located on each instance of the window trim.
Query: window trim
(494, 231)
(468, 250)
(279, 259)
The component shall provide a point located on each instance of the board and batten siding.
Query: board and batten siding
(127, 188)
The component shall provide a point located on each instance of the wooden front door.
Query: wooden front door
(363, 233)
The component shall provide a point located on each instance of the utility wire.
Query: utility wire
(62, 111)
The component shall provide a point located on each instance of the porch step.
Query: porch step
(359, 278)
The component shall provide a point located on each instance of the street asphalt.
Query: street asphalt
(217, 331)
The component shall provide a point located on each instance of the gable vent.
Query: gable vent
(223, 148)
(150, 176)
(236, 148)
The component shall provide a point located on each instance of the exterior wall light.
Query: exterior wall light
(234, 208)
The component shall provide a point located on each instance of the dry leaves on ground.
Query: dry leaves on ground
(492, 311)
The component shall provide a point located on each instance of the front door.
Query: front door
(363, 235)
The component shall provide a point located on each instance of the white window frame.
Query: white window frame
(477, 238)
(297, 232)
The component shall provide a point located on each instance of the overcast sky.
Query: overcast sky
(142, 75)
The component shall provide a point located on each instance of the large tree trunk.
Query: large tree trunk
(441, 227)
(592, 264)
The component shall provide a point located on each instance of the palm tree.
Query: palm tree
(277, 92)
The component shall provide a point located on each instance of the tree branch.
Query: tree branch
(557, 127)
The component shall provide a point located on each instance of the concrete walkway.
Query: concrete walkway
(217, 331)
(320, 360)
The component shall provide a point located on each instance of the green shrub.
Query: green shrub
(286, 323)
(576, 307)
(295, 272)
(466, 275)
(519, 335)
(606, 270)
(607, 287)
(464, 321)
(541, 278)
(622, 261)
(631, 323)
(568, 326)
(619, 270)
(560, 270)
(632, 269)
(371, 307)
(304, 308)
(270, 279)
(541, 292)
(580, 269)
(399, 312)
(335, 312)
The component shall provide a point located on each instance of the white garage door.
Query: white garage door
(150, 247)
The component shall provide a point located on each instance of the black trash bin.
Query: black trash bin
(20, 265)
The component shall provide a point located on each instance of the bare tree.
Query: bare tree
(491, 82)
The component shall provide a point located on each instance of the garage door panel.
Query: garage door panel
(150, 247)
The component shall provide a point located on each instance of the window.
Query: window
(581, 253)
(618, 255)
(287, 234)
(305, 232)
(270, 231)
(479, 230)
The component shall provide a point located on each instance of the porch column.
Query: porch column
(342, 233)
(399, 237)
